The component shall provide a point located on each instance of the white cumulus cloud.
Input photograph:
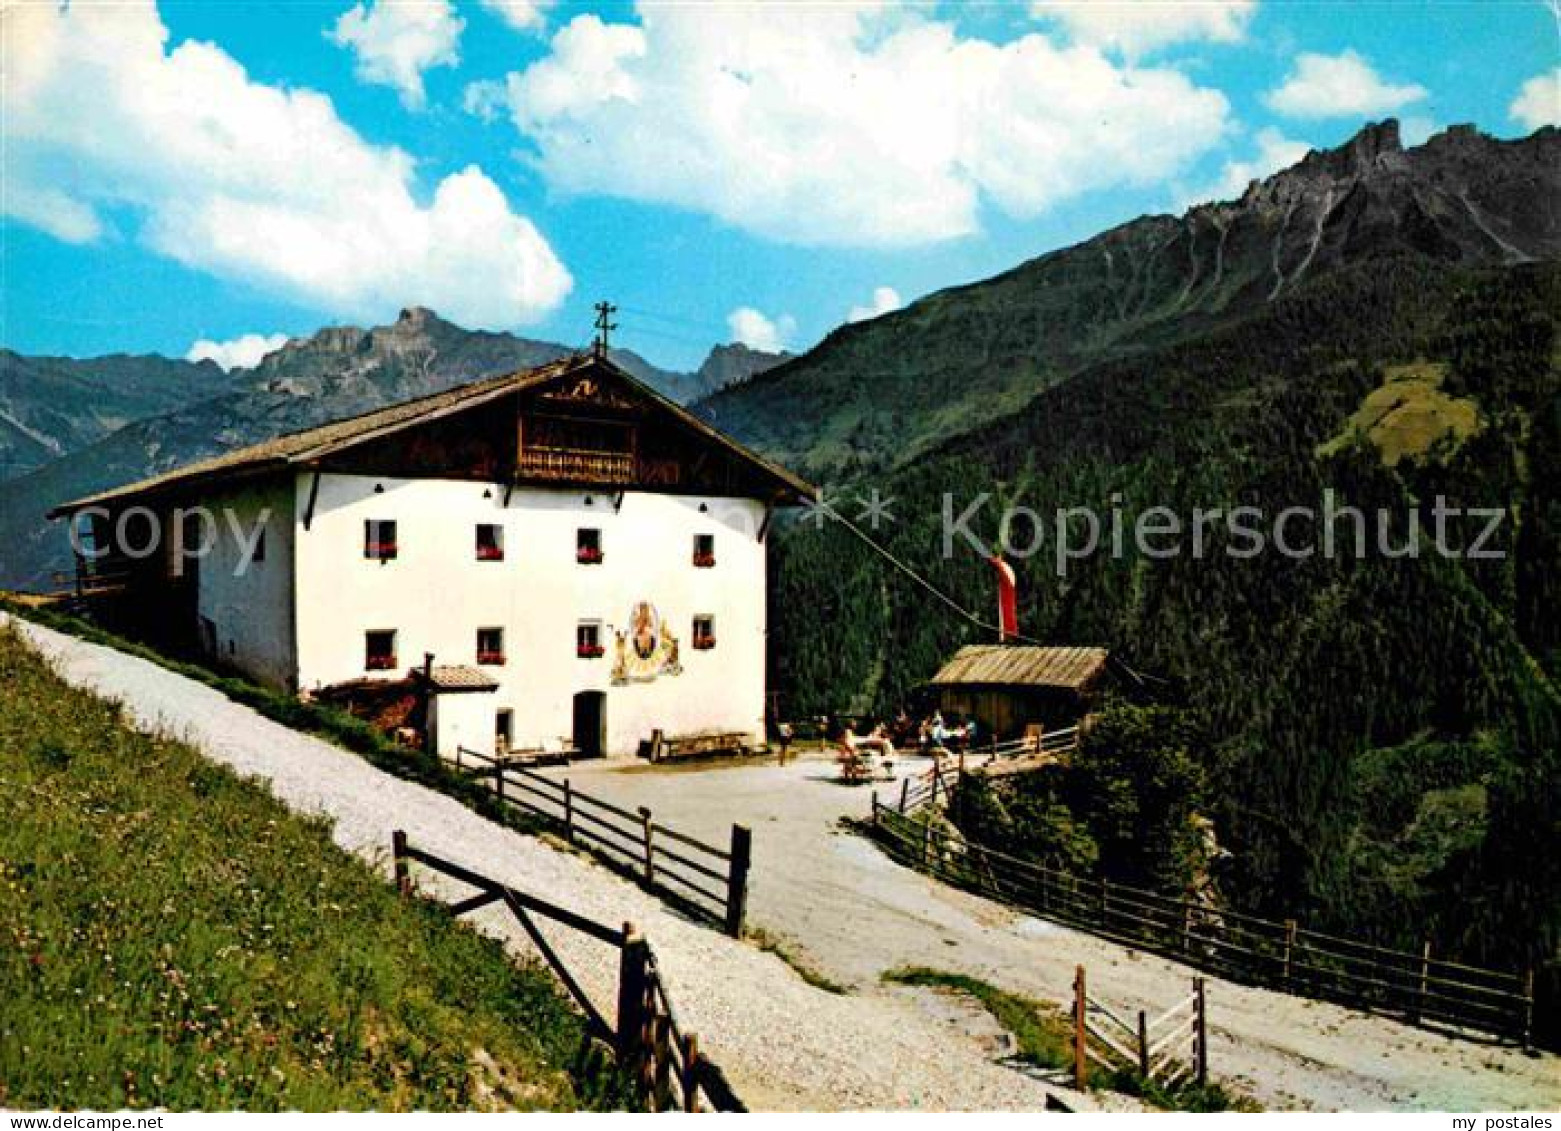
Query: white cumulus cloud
(247, 181)
(243, 352)
(883, 301)
(849, 124)
(757, 331)
(1137, 26)
(522, 15)
(1538, 102)
(1331, 86)
(1274, 152)
(395, 41)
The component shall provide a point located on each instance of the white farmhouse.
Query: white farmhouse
(558, 555)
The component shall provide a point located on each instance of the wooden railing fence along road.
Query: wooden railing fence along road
(1418, 987)
(662, 1058)
(705, 881)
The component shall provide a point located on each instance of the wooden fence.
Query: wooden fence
(1418, 987)
(1171, 1049)
(706, 881)
(661, 1058)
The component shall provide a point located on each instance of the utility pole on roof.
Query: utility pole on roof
(604, 326)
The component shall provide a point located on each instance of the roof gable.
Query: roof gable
(586, 380)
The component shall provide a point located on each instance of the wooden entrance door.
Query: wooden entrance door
(590, 723)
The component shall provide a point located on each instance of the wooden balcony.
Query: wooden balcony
(576, 465)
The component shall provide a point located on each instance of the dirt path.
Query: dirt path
(788, 1045)
(784, 1044)
(852, 913)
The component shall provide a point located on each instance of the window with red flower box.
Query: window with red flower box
(490, 646)
(588, 546)
(379, 650)
(704, 633)
(588, 640)
(704, 551)
(379, 539)
(490, 542)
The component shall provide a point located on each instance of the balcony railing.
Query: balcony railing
(490, 658)
(578, 465)
(380, 663)
(590, 651)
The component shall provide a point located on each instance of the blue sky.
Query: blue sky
(209, 171)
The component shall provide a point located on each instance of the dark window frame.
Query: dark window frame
(379, 660)
(380, 539)
(491, 657)
(493, 550)
(588, 640)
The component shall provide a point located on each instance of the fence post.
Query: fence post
(690, 1080)
(926, 841)
(661, 1052)
(905, 793)
(1289, 948)
(632, 969)
(1186, 926)
(569, 812)
(737, 879)
(650, 848)
(398, 849)
(498, 780)
(1418, 1012)
(1200, 1031)
(1143, 1044)
(1105, 894)
(1528, 1010)
(1080, 1055)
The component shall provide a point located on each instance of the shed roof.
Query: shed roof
(459, 677)
(1015, 665)
(303, 448)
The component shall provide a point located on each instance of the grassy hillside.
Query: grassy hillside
(1379, 736)
(171, 936)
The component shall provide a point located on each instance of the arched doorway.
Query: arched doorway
(590, 723)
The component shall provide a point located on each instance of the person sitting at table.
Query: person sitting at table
(878, 740)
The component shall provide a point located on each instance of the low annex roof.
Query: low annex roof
(302, 448)
(458, 677)
(1014, 665)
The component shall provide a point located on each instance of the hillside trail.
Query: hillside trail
(839, 906)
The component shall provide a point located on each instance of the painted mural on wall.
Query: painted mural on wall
(646, 649)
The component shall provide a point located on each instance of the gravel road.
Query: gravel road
(850, 912)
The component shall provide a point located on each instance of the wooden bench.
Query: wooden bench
(705, 744)
(853, 767)
(857, 765)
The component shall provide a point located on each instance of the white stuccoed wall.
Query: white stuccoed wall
(251, 603)
(463, 720)
(436, 594)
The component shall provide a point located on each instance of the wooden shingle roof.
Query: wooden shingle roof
(311, 444)
(1015, 665)
(458, 677)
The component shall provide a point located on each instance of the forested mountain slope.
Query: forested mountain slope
(875, 393)
(1378, 737)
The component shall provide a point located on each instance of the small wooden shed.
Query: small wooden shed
(1008, 687)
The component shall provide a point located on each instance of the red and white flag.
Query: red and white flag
(1007, 599)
